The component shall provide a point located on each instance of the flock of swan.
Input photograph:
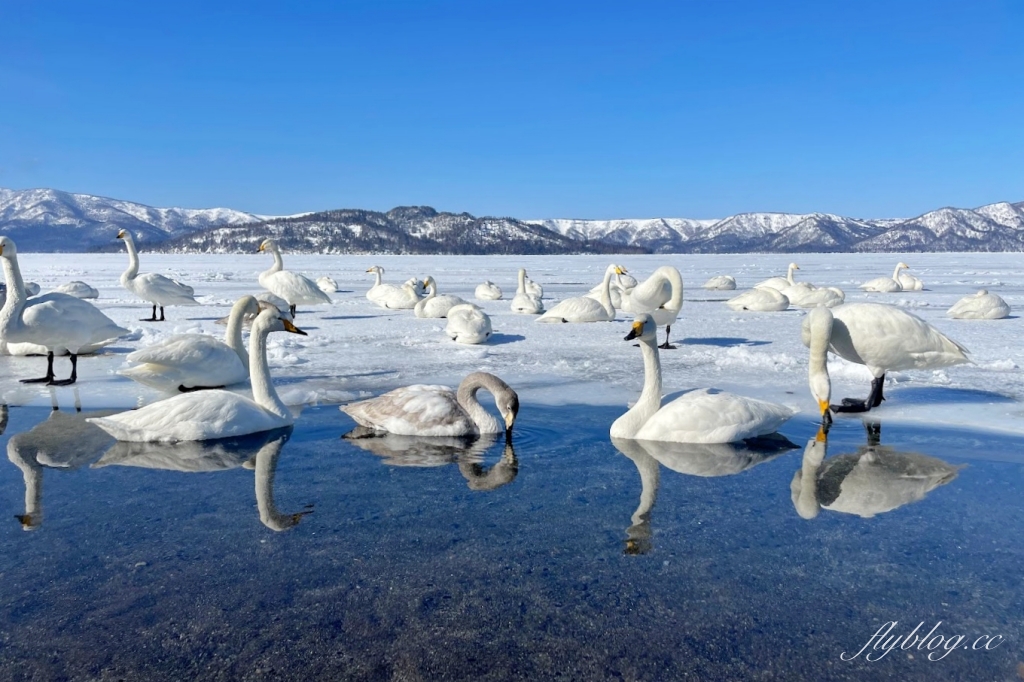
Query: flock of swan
(201, 369)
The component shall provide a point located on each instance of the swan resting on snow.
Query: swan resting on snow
(760, 299)
(886, 285)
(780, 283)
(422, 410)
(155, 288)
(699, 416)
(980, 306)
(327, 284)
(434, 305)
(524, 302)
(210, 415)
(291, 286)
(880, 337)
(468, 324)
(585, 308)
(720, 283)
(488, 291)
(78, 290)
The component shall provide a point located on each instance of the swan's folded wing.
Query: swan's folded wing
(703, 416)
(165, 288)
(417, 410)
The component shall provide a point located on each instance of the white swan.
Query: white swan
(886, 284)
(980, 306)
(57, 322)
(699, 416)
(152, 287)
(468, 324)
(327, 284)
(661, 295)
(584, 308)
(418, 285)
(720, 283)
(187, 362)
(209, 415)
(908, 282)
(780, 283)
(422, 410)
(812, 298)
(762, 299)
(880, 337)
(488, 291)
(534, 289)
(291, 286)
(524, 302)
(78, 290)
(435, 305)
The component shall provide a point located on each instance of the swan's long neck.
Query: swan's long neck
(675, 280)
(789, 275)
(259, 374)
(896, 272)
(278, 265)
(522, 282)
(378, 272)
(10, 314)
(649, 403)
(466, 397)
(133, 260)
(233, 335)
(606, 293)
(817, 362)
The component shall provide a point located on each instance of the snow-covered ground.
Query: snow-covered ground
(356, 349)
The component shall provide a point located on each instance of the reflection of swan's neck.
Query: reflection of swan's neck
(805, 499)
(266, 469)
(10, 314)
(466, 397)
(649, 403)
(522, 281)
(133, 260)
(233, 335)
(259, 372)
(502, 473)
(33, 475)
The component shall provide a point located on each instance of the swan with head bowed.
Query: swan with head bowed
(436, 305)
(155, 288)
(886, 285)
(980, 306)
(661, 295)
(720, 283)
(524, 302)
(218, 413)
(699, 416)
(190, 362)
(58, 323)
(780, 283)
(881, 337)
(488, 291)
(468, 324)
(585, 308)
(422, 410)
(291, 286)
(760, 299)
(327, 284)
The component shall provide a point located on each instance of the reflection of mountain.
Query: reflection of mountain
(873, 480)
(419, 451)
(693, 459)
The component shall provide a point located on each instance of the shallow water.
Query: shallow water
(305, 556)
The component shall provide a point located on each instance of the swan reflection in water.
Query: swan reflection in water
(873, 480)
(64, 441)
(692, 459)
(421, 451)
(258, 451)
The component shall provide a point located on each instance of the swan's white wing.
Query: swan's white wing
(777, 283)
(577, 309)
(468, 324)
(886, 338)
(294, 288)
(527, 304)
(60, 321)
(327, 284)
(980, 307)
(78, 290)
(162, 290)
(760, 300)
(882, 285)
(380, 292)
(187, 360)
(720, 283)
(488, 292)
(438, 306)
(418, 410)
(703, 416)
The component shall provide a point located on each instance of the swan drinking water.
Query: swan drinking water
(291, 286)
(152, 287)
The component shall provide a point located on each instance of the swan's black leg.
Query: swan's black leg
(48, 379)
(74, 373)
(151, 318)
(874, 399)
(667, 345)
(161, 314)
(876, 391)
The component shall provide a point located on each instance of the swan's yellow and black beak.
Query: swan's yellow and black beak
(121, 234)
(822, 435)
(260, 249)
(826, 413)
(510, 416)
(369, 269)
(636, 331)
(289, 327)
(619, 270)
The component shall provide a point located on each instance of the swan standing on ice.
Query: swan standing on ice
(434, 305)
(720, 283)
(78, 290)
(524, 302)
(488, 291)
(760, 299)
(422, 410)
(190, 362)
(661, 295)
(152, 287)
(699, 416)
(780, 283)
(209, 415)
(468, 324)
(880, 337)
(584, 308)
(57, 322)
(886, 285)
(289, 285)
(980, 306)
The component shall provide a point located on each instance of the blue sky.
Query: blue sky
(530, 109)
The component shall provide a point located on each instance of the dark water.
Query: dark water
(304, 556)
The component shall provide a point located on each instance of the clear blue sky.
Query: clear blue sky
(531, 109)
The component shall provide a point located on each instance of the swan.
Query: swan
(57, 322)
(534, 289)
(468, 324)
(886, 284)
(874, 480)
(379, 290)
(826, 296)
(908, 282)
(661, 295)
(419, 286)
(720, 283)
(327, 284)
(209, 415)
(422, 410)
(488, 291)
(780, 283)
(699, 416)
(880, 337)
(524, 302)
(152, 287)
(584, 308)
(78, 290)
(189, 362)
(435, 305)
(763, 299)
(289, 285)
(980, 306)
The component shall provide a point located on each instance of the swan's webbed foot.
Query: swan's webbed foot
(191, 389)
(851, 405)
(63, 382)
(40, 380)
(667, 346)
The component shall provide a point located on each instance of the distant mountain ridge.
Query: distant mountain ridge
(51, 220)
